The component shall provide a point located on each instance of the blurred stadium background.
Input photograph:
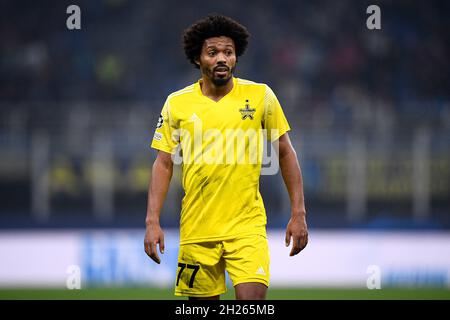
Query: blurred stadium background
(369, 109)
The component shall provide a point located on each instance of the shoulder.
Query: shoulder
(252, 84)
(255, 87)
(259, 88)
(180, 94)
(245, 82)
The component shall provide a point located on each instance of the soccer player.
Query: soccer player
(216, 123)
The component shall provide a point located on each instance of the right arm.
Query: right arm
(159, 185)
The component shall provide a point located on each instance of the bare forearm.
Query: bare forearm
(292, 176)
(158, 187)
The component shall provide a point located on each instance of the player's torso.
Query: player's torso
(221, 145)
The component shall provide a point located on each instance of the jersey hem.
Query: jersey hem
(161, 148)
(276, 137)
(251, 279)
(261, 232)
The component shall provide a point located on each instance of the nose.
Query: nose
(221, 57)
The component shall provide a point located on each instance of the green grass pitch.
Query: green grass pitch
(273, 294)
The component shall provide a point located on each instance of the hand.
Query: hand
(298, 230)
(153, 236)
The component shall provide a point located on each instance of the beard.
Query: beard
(218, 81)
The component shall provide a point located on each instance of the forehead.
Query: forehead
(221, 41)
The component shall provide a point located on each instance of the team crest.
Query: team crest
(247, 112)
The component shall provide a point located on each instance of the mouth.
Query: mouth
(221, 71)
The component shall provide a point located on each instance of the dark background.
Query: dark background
(369, 109)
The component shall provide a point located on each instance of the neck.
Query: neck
(214, 92)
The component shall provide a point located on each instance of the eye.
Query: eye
(211, 53)
(228, 52)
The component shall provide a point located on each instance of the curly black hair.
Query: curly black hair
(214, 25)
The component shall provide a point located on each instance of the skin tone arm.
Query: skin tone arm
(292, 176)
(159, 185)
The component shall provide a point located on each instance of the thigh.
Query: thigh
(247, 260)
(201, 270)
(250, 291)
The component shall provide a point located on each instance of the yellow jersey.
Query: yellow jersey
(221, 146)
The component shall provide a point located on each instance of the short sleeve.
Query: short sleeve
(274, 122)
(165, 138)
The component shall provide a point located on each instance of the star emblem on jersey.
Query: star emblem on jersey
(160, 122)
(247, 112)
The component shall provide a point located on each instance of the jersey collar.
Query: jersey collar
(198, 90)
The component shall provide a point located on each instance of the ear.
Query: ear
(197, 61)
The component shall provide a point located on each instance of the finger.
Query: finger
(146, 248)
(303, 242)
(287, 240)
(295, 246)
(154, 253)
(161, 244)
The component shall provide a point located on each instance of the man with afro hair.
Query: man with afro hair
(218, 125)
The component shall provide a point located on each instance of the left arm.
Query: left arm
(292, 176)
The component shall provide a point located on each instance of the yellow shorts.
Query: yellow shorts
(201, 266)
